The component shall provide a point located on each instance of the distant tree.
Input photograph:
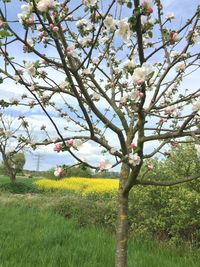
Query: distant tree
(107, 174)
(18, 162)
(14, 137)
(172, 167)
(79, 171)
(174, 163)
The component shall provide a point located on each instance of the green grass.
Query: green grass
(33, 237)
(29, 237)
(21, 186)
(33, 234)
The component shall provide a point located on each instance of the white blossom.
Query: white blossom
(30, 42)
(95, 96)
(27, 9)
(45, 5)
(89, 3)
(174, 54)
(128, 64)
(16, 78)
(196, 107)
(123, 30)
(81, 23)
(78, 143)
(95, 61)
(86, 72)
(85, 41)
(180, 67)
(21, 17)
(63, 85)
(170, 16)
(30, 68)
(185, 55)
(141, 74)
(109, 23)
(134, 159)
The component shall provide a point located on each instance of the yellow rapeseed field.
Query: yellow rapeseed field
(83, 186)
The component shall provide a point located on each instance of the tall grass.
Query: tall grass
(32, 237)
(29, 237)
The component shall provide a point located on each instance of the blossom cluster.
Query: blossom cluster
(69, 143)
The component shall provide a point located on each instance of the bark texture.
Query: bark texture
(122, 221)
(122, 232)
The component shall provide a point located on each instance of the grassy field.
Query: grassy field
(31, 234)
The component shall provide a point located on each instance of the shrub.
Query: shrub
(19, 188)
(166, 214)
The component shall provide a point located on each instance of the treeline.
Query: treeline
(71, 172)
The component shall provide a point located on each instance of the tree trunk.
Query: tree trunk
(122, 221)
(12, 178)
(10, 172)
(122, 231)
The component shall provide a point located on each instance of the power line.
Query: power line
(38, 158)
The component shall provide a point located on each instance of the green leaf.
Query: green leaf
(150, 34)
(129, 4)
(4, 34)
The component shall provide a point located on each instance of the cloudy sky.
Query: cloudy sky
(36, 118)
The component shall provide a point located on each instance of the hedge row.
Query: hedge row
(171, 214)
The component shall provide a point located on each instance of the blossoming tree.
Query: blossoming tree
(14, 139)
(108, 68)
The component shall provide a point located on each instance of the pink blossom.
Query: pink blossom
(139, 82)
(162, 120)
(133, 145)
(55, 29)
(173, 37)
(57, 147)
(147, 8)
(59, 171)
(104, 165)
(25, 48)
(30, 21)
(123, 100)
(41, 34)
(69, 50)
(169, 111)
(70, 142)
(140, 94)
